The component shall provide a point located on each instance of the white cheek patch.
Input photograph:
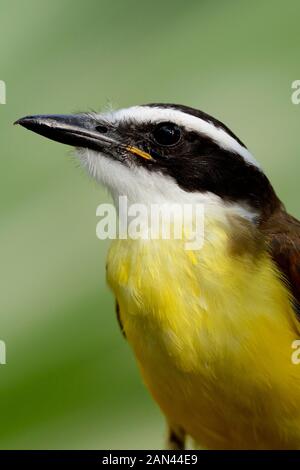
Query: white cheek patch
(141, 186)
(144, 114)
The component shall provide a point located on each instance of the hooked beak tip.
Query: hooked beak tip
(25, 121)
(18, 121)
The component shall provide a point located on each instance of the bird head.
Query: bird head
(164, 152)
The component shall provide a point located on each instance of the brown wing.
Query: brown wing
(119, 319)
(118, 314)
(283, 236)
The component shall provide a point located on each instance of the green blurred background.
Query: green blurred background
(70, 379)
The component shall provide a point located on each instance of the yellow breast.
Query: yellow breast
(212, 332)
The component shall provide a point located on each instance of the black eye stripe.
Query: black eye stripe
(166, 134)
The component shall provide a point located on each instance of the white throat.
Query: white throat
(143, 187)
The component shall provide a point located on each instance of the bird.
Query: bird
(211, 329)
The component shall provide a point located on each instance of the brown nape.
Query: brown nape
(279, 234)
(282, 235)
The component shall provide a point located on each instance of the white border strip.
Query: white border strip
(143, 114)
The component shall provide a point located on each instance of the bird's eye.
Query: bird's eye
(167, 134)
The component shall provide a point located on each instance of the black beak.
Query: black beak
(78, 130)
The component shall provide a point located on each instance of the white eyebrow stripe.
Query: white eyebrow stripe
(155, 114)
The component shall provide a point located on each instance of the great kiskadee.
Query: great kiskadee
(212, 330)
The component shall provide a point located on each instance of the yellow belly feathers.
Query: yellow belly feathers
(212, 332)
